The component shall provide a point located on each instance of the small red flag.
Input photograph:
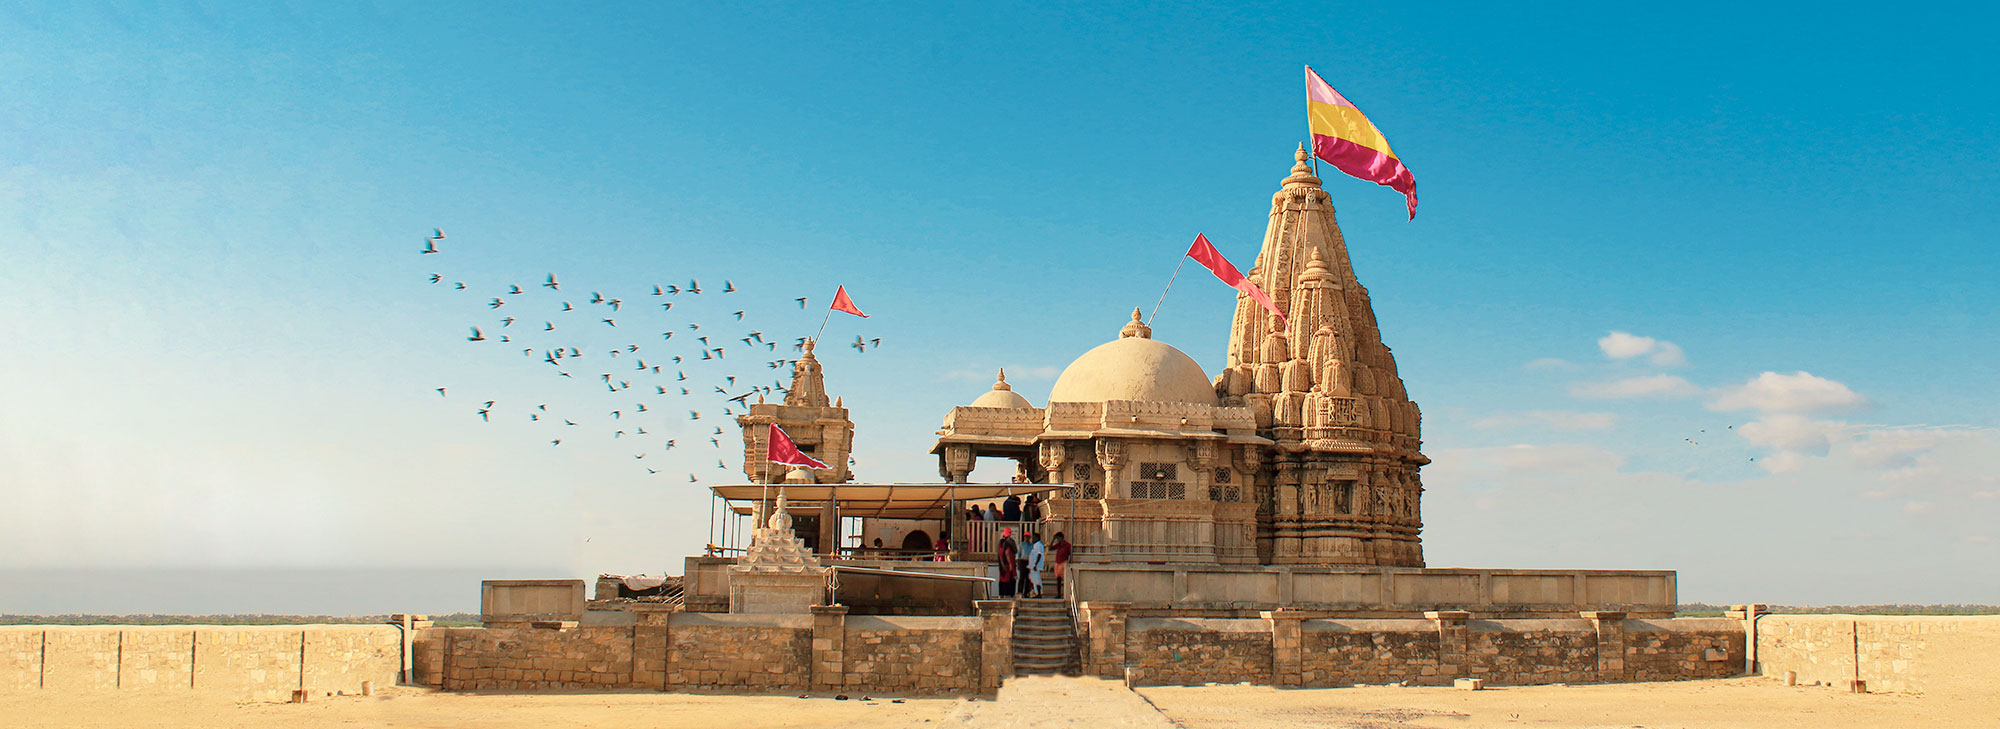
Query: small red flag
(842, 303)
(783, 450)
(1204, 253)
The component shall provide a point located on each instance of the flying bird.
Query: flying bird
(514, 289)
(495, 303)
(476, 336)
(614, 303)
(610, 322)
(548, 326)
(657, 291)
(694, 287)
(728, 287)
(567, 307)
(507, 322)
(460, 285)
(552, 283)
(739, 315)
(436, 278)
(440, 392)
(669, 306)
(430, 246)
(483, 416)
(437, 234)
(802, 302)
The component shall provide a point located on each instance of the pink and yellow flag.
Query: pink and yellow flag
(1347, 140)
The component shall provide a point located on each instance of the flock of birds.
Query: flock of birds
(662, 364)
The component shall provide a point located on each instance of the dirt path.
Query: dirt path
(1054, 702)
(1743, 703)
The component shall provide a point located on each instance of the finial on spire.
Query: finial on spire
(1302, 171)
(1136, 328)
(809, 345)
(1001, 383)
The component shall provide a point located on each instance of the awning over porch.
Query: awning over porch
(878, 500)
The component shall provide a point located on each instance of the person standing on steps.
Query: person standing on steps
(1036, 556)
(1060, 546)
(1008, 556)
(1010, 510)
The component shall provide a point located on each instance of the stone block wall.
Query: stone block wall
(1683, 648)
(739, 652)
(823, 651)
(251, 661)
(913, 655)
(1918, 653)
(1297, 648)
(1198, 650)
(526, 658)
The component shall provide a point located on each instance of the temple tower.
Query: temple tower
(820, 430)
(1341, 483)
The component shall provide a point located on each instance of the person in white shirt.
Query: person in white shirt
(1036, 556)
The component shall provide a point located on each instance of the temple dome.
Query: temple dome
(1002, 396)
(1134, 367)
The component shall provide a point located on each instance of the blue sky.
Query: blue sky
(225, 347)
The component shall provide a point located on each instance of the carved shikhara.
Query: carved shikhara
(1309, 453)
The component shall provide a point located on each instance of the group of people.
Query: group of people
(1021, 564)
(1012, 509)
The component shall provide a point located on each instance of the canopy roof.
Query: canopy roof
(881, 500)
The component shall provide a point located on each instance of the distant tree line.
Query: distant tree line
(452, 620)
(1705, 610)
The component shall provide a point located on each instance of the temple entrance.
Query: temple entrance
(916, 541)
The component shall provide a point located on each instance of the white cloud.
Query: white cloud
(1918, 507)
(1669, 355)
(1791, 433)
(1631, 387)
(1799, 392)
(1558, 419)
(1549, 364)
(1625, 345)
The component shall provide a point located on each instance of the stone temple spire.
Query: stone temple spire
(1343, 485)
(808, 385)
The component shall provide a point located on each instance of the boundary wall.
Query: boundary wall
(251, 661)
(827, 650)
(1300, 648)
(1245, 591)
(1942, 654)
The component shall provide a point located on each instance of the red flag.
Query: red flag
(782, 450)
(1204, 253)
(842, 303)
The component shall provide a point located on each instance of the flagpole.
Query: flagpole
(822, 322)
(1163, 292)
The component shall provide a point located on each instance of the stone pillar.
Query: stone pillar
(649, 645)
(996, 643)
(1287, 646)
(1105, 624)
(1453, 661)
(1610, 643)
(829, 646)
(1749, 614)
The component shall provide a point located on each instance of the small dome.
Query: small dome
(1134, 367)
(1001, 396)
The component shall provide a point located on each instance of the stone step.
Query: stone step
(1044, 635)
(1042, 654)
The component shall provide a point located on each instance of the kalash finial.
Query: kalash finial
(1136, 328)
(1001, 383)
(1302, 171)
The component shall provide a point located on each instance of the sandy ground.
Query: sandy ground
(1051, 702)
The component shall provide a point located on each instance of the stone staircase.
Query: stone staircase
(1045, 638)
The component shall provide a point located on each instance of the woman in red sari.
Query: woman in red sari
(1007, 554)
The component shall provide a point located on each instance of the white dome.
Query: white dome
(1134, 368)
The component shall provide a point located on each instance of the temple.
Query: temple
(1263, 523)
(1290, 478)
